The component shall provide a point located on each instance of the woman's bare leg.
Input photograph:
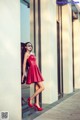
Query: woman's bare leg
(41, 88)
(37, 97)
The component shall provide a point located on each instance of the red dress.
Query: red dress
(33, 74)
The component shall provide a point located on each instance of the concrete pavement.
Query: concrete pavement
(68, 109)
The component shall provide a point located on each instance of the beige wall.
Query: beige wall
(49, 50)
(76, 25)
(67, 49)
(10, 81)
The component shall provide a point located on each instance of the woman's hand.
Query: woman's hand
(22, 78)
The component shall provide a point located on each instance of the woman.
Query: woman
(33, 76)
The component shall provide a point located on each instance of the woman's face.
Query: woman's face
(29, 47)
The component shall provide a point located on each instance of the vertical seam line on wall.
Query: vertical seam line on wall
(61, 50)
(39, 33)
(34, 27)
(39, 42)
(73, 53)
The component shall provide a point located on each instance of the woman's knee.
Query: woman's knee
(43, 88)
(41, 85)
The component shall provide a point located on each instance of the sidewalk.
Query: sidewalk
(68, 109)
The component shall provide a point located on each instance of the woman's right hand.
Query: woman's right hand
(22, 78)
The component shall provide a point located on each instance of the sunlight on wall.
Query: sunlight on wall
(67, 49)
(49, 50)
(77, 53)
(10, 74)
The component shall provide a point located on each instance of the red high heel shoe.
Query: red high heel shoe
(38, 108)
(29, 104)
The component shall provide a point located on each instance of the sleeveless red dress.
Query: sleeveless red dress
(33, 74)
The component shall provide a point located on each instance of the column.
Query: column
(10, 65)
(49, 50)
(76, 25)
(67, 49)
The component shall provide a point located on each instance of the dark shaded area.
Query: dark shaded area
(23, 50)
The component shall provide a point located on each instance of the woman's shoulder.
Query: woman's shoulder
(26, 55)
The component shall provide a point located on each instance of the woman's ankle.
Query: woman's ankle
(37, 104)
